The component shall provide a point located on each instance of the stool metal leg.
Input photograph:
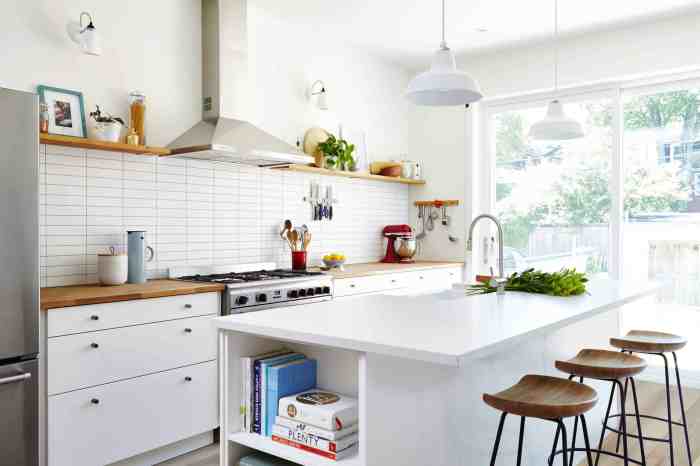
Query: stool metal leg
(639, 420)
(554, 445)
(680, 398)
(586, 441)
(619, 427)
(573, 439)
(564, 454)
(498, 439)
(625, 450)
(520, 439)
(668, 405)
(605, 425)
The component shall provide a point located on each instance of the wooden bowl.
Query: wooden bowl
(393, 172)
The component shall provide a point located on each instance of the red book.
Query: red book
(326, 454)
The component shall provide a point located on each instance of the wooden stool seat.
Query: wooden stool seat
(649, 342)
(544, 397)
(602, 364)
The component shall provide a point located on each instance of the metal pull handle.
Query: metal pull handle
(95, 401)
(95, 317)
(352, 285)
(188, 306)
(94, 345)
(188, 330)
(188, 379)
(421, 277)
(393, 281)
(16, 378)
(151, 254)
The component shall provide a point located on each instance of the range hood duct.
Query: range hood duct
(224, 63)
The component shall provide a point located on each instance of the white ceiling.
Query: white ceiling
(408, 31)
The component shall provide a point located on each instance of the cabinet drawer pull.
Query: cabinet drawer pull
(393, 280)
(421, 277)
(94, 317)
(95, 401)
(94, 345)
(188, 306)
(352, 285)
(188, 379)
(188, 330)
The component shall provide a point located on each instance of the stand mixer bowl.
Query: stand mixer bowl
(405, 247)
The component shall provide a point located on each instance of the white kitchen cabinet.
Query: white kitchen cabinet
(428, 279)
(93, 317)
(100, 425)
(94, 358)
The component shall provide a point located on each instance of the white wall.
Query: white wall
(153, 46)
(643, 50)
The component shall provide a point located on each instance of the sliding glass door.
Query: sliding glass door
(553, 198)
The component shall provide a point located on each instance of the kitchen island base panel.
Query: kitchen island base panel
(415, 413)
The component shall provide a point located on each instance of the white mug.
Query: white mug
(112, 269)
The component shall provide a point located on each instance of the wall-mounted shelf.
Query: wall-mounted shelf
(437, 203)
(346, 174)
(83, 143)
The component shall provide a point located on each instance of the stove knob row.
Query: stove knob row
(261, 298)
(306, 292)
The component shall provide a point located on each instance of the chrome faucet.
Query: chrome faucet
(498, 282)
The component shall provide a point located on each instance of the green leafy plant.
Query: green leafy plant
(99, 117)
(337, 152)
(566, 282)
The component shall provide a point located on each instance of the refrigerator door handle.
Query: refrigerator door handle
(16, 378)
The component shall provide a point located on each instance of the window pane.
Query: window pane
(553, 197)
(661, 236)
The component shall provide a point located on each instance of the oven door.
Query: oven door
(240, 310)
(19, 405)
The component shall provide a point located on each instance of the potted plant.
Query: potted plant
(337, 153)
(107, 127)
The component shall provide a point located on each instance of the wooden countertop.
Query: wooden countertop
(66, 296)
(379, 268)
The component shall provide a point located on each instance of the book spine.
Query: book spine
(314, 441)
(243, 404)
(300, 446)
(263, 398)
(249, 395)
(313, 430)
(272, 390)
(256, 397)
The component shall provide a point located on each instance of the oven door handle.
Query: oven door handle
(15, 378)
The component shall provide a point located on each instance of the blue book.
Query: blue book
(284, 380)
(259, 391)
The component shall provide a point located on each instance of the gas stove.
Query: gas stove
(255, 287)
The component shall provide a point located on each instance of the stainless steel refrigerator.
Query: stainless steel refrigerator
(19, 278)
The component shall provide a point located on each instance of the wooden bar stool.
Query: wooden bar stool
(659, 343)
(613, 367)
(549, 398)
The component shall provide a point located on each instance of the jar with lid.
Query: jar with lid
(137, 115)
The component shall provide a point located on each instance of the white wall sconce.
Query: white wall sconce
(319, 93)
(85, 36)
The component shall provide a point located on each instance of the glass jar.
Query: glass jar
(137, 115)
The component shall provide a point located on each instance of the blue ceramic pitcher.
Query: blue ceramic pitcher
(139, 254)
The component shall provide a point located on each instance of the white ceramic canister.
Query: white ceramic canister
(407, 168)
(112, 269)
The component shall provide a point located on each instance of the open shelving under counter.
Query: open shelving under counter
(266, 445)
(94, 144)
(348, 174)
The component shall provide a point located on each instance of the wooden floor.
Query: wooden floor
(652, 400)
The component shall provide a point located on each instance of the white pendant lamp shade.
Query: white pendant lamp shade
(443, 84)
(556, 126)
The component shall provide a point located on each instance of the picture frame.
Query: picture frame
(66, 110)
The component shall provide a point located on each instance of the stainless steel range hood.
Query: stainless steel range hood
(224, 63)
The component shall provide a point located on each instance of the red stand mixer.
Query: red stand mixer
(400, 244)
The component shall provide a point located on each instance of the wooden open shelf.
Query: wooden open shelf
(346, 174)
(83, 143)
(435, 203)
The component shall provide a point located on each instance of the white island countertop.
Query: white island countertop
(444, 328)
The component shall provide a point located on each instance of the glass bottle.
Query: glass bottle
(137, 115)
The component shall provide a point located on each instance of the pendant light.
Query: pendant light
(443, 84)
(556, 126)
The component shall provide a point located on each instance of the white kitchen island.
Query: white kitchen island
(420, 364)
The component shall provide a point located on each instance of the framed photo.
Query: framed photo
(66, 111)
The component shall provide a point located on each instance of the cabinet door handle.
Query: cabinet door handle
(188, 330)
(421, 277)
(352, 285)
(393, 280)
(188, 379)
(188, 306)
(94, 317)
(94, 345)
(95, 401)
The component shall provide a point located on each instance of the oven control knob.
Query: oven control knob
(261, 298)
(326, 290)
(241, 300)
(318, 290)
(302, 292)
(310, 292)
(292, 294)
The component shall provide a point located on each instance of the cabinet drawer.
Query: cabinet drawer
(87, 359)
(131, 417)
(141, 311)
(436, 278)
(361, 285)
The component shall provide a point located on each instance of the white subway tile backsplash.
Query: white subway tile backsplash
(196, 212)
